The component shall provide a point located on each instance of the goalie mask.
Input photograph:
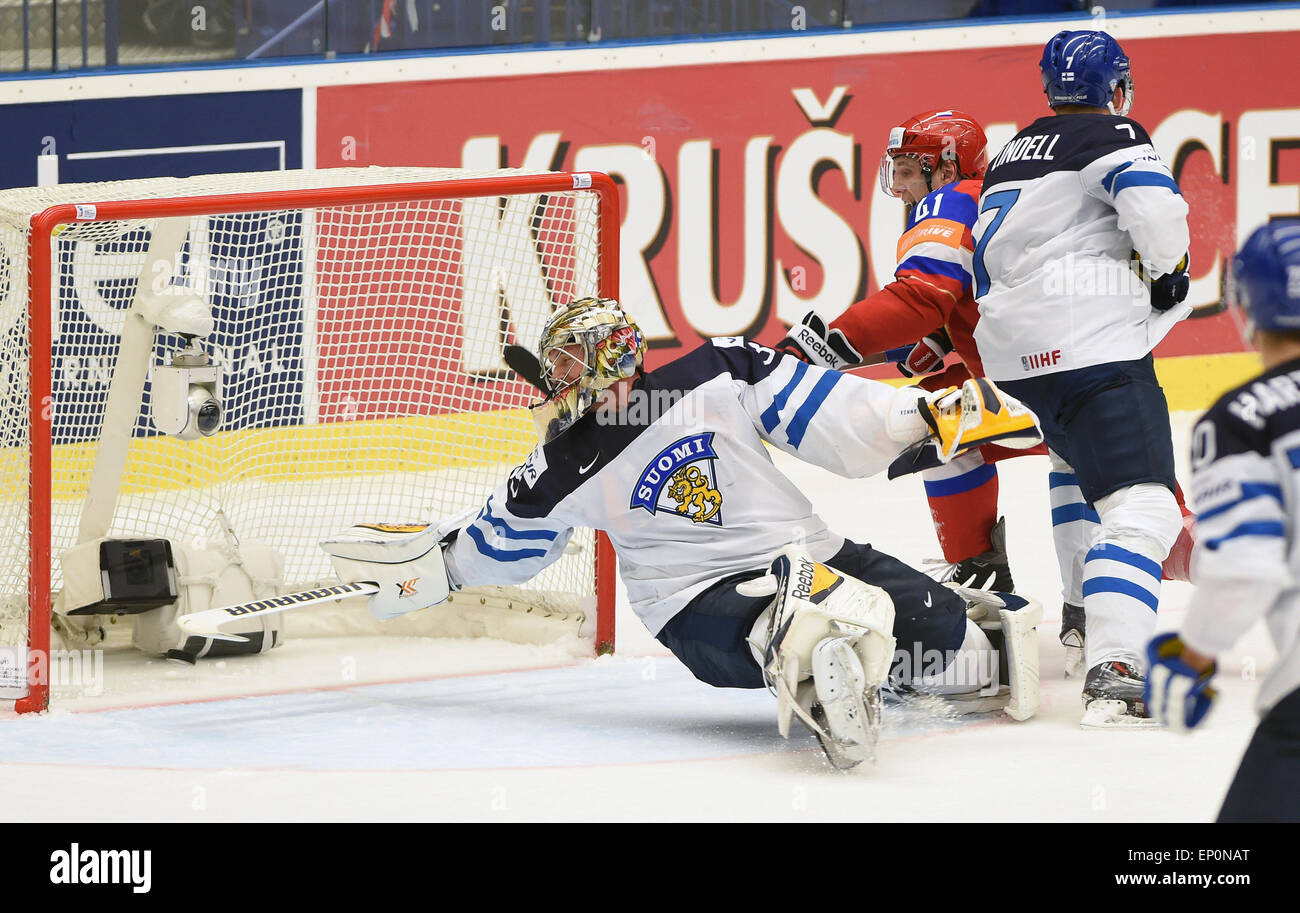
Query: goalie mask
(585, 348)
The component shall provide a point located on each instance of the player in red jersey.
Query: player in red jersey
(935, 163)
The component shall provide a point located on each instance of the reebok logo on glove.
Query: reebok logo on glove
(813, 344)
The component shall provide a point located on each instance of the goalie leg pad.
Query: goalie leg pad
(1010, 621)
(405, 561)
(828, 624)
(849, 705)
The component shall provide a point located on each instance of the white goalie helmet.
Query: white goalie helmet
(586, 347)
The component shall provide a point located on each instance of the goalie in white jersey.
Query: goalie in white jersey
(1080, 266)
(1246, 481)
(723, 557)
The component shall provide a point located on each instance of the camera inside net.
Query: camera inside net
(186, 396)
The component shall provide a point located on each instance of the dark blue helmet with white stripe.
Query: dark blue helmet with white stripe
(1085, 68)
(1265, 284)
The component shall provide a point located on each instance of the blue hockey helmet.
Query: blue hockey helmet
(1085, 68)
(1264, 285)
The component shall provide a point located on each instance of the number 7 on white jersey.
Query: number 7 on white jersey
(1002, 201)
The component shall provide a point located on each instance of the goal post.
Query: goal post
(358, 317)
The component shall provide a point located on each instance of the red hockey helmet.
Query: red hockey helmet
(934, 137)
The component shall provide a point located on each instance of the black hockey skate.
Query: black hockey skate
(1112, 698)
(1073, 624)
(989, 571)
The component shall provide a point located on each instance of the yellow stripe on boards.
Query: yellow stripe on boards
(303, 452)
(1194, 382)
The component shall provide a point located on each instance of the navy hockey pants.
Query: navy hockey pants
(1109, 422)
(1267, 784)
(708, 635)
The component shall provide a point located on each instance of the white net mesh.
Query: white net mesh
(360, 347)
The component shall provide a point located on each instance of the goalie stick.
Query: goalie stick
(524, 363)
(208, 623)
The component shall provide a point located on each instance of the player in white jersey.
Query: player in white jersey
(723, 557)
(1246, 485)
(1080, 267)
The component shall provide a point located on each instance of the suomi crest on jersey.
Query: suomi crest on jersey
(681, 480)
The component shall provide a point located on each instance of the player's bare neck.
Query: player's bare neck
(1079, 109)
(1276, 349)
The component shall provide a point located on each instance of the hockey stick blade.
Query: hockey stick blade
(208, 623)
(525, 364)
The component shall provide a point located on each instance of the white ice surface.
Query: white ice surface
(412, 729)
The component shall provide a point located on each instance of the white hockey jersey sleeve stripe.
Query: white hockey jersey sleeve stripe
(498, 546)
(1249, 528)
(1249, 491)
(797, 426)
(498, 554)
(1126, 175)
(1240, 560)
(834, 420)
(506, 531)
(1147, 201)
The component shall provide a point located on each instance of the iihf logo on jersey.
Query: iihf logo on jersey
(680, 480)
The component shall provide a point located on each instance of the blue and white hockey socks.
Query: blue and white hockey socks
(1074, 527)
(1121, 572)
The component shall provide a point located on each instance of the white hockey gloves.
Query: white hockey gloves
(825, 645)
(957, 419)
(405, 561)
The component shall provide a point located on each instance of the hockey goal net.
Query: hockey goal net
(359, 317)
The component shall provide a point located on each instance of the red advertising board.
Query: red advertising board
(750, 191)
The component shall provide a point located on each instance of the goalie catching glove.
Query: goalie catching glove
(404, 560)
(957, 419)
(825, 646)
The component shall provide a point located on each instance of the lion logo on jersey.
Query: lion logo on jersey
(691, 490)
(680, 480)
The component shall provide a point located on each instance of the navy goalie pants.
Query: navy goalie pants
(1267, 784)
(709, 634)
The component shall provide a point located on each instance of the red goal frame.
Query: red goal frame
(46, 223)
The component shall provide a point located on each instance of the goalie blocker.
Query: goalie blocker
(398, 566)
